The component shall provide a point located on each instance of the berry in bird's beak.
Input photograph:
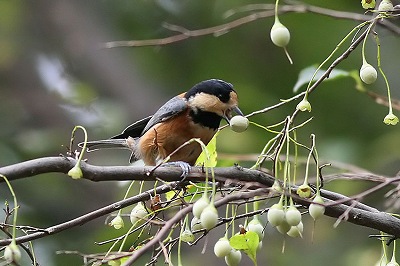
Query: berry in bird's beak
(228, 114)
(239, 123)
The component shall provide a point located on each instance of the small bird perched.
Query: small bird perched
(194, 114)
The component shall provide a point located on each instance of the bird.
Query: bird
(196, 113)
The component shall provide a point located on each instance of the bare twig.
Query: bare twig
(89, 216)
(186, 34)
(223, 28)
(180, 215)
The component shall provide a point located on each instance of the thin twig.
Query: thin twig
(89, 216)
(226, 27)
(179, 216)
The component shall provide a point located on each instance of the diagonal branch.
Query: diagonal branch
(40, 233)
(181, 214)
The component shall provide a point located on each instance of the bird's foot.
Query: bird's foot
(183, 165)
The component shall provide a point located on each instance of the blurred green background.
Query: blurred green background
(55, 75)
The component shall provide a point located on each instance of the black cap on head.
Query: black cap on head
(217, 87)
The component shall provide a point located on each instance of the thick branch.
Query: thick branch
(357, 213)
(123, 173)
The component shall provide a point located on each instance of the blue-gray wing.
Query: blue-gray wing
(135, 130)
(173, 107)
(170, 109)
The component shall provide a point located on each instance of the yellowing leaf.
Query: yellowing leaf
(367, 4)
(170, 194)
(212, 152)
(189, 188)
(247, 242)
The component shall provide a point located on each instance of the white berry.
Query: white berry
(276, 214)
(222, 247)
(316, 210)
(293, 216)
(199, 206)
(280, 35)
(368, 73)
(296, 231)
(195, 224)
(117, 222)
(239, 123)
(209, 217)
(137, 213)
(284, 227)
(12, 253)
(385, 5)
(256, 227)
(233, 258)
(187, 236)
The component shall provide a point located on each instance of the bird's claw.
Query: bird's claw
(183, 165)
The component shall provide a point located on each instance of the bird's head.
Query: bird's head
(214, 96)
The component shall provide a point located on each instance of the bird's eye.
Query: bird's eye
(223, 98)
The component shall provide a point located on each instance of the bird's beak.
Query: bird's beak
(238, 111)
(228, 114)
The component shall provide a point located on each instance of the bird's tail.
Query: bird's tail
(105, 144)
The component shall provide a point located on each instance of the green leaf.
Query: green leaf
(169, 195)
(192, 193)
(212, 151)
(238, 242)
(307, 73)
(247, 242)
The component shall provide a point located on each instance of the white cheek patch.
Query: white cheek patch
(207, 102)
